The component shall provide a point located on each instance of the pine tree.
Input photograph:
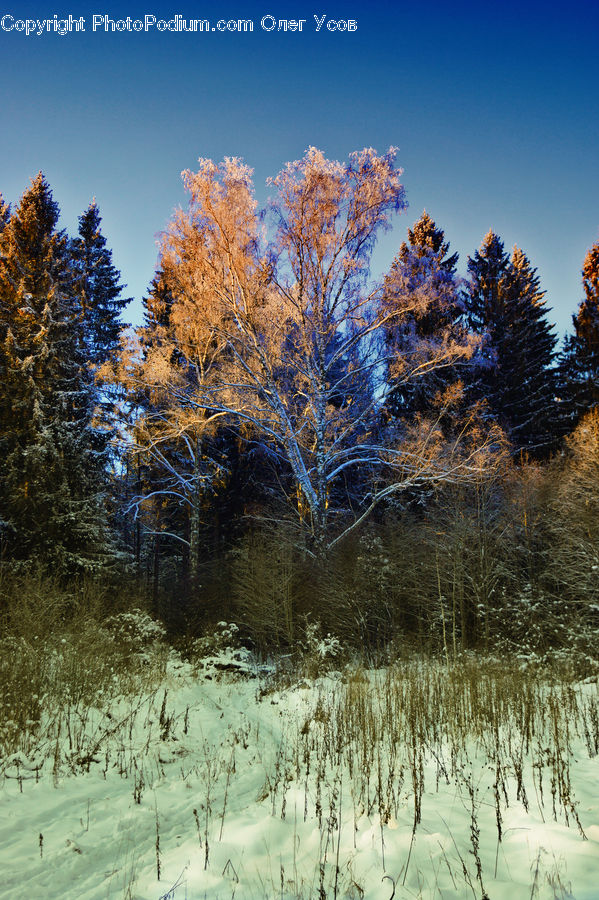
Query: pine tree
(513, 371)
(186, 465)
(50, 472)
(579, 363)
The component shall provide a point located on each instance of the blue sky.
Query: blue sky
(494, 107)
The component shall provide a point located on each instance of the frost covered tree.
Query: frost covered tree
(579, 363)
(174, 454)
(50, 479)
(573, 557)
(278, 328)
(4, 212)
(192, 475)
(513, 371)
(426, 235)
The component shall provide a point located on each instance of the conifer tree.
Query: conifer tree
(158, 304)
(49, 469)
(98, 295)
(425, 235)
(4, 212)
(432, 321)
(99, 288)
(579, 363)
(191, 466)
(513, 371)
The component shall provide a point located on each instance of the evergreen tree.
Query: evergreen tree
(50, 471)
(425, 235)
(579, 363)
(98, 291)
(159, 303)
(195, 473)
(431, 321)
(513, 370)
(99, 288)
(4, 213)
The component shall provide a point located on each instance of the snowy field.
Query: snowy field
(414, 781)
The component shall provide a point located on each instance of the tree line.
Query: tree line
(286, 436)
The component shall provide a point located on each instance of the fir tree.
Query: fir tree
(513, 371)
(50, 471)
(579, 363)
(185, 467)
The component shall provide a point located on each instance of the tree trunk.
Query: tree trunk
(194, 527)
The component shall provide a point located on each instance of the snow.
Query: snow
(236, 780)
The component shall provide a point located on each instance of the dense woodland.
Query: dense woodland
(287, 440)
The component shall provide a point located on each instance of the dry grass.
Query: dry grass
(369, 745)
(376, 744)
(62, 655)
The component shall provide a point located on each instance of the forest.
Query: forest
(287, 438)
(306, 564)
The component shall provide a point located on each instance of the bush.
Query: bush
(59, 651)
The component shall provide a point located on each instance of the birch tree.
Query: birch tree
(170, 442)
(278, 326)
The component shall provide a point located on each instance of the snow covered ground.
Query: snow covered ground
(224, 788)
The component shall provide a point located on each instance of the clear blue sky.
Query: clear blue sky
(495, 109)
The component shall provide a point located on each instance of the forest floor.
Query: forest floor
(225, 782)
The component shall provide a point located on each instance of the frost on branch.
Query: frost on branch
(275, 328)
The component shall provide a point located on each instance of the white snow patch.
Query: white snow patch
(211, 768)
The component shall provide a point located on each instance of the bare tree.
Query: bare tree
(276, 325)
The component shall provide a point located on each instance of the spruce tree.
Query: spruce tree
(99, 289)
(183, 464)
(579, 363)
(50, 473)
(159, 303)
(513, 370)
(425, 235)
(430, 319)
(4, 213)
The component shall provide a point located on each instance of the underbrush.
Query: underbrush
(411, 773)
(63, 654)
